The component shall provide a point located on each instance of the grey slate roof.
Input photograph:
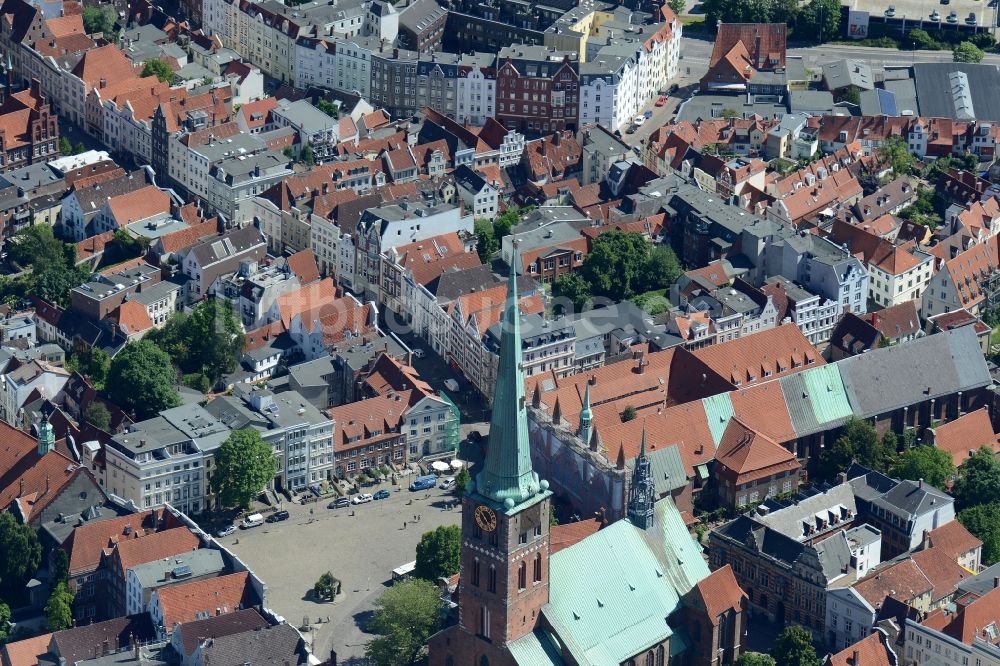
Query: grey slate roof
(272, 645)
(934, 89)
(789, 520)
(834, 556)
(890, 378)
(200, 562)
(905, 498)
(193, 633)
(667, 469)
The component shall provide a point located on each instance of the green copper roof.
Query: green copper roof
(507, 477)
(816, 399)
(535, 649)
(718, 411)
(668, 469)
(611, 594)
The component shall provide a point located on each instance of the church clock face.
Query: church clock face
(486, 518)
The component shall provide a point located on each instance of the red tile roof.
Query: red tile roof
(763, 356)
(903, 581)
(306, 301)
(942, 570)
(303, 265)
(963, 436)
(132, 318)
(952, 538)
(567, 534)
(896, 321)
(748, 455)
(869, 651)
(86, 543)
(185, 602)
(971, 620)
(93, 246)
(26, 652)
(139, 205)
(133, 552)
(719, 592)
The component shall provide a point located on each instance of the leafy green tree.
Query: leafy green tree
(859, 442)
(794, 647)
(97, 415)
(329, 108)
(486, 243)
(406, 615)
(65, 147)
(439, 553)
(5, 624)
(20, 552)
(60, 566)
(730, 113)
(80, 148)
(141, 379)
(896, 154)
(755, 659)
(244, 464)
(920, 39)
(307, 156)
(983, 521)
(851, 95)
(99, 18)
(929, 463)
(159, 69)
(677, 6)
(462, 480)
(967, 52)
(978, 479)
(928, 208)
(628, 414)
(52, 263)
(129, 245)
(615, 264)
(92, 364)
(59, 608)
(573, 288)
(820, 20)
(507, 221)
(209, 340)
(662, 268)
(327, 587)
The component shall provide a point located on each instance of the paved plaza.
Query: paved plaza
(361, 550)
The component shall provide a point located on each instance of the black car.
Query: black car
(277, 517)
(340, 503)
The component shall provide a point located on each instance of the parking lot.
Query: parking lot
(360, 549)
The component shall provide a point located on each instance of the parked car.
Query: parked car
(891, 11)
(363, 498)
(451, 384)
(971, 18)
(277, 517)
(339, 503)
(953, 17)
(226, 531)
(447, 483)
(423, 482)
(380, 495)
(661, 100)
(419, 353)
(647, 115)
(638, 120)
(631, 129)
(253, 520)
(936, 16)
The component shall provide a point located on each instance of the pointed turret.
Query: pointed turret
(536, 397)
(595, 440)
(506, 476)
(586, 417)
(641, 491)
(620, 462)
(46, 437)
(557, 412)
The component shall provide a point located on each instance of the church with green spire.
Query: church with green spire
(636, 592)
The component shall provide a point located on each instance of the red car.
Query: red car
(661, 100)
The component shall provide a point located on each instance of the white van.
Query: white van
(253, 520)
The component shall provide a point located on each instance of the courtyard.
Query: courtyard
(360, 545)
